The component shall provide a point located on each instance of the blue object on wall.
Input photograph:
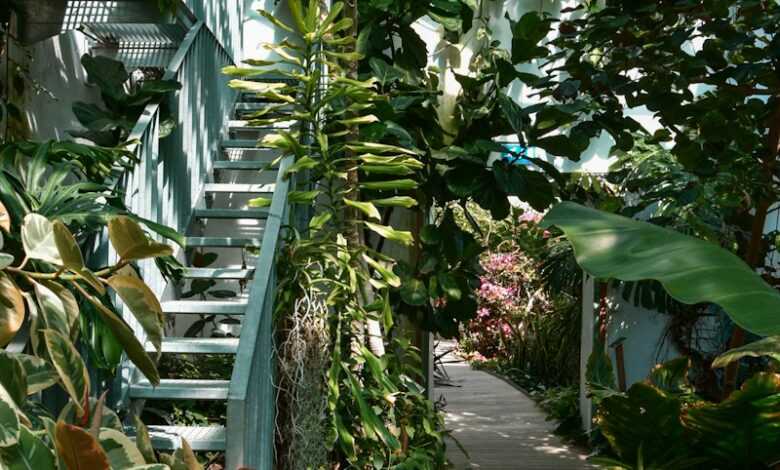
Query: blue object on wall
(515, 154)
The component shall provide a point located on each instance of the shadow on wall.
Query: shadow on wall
(224, 19)
(55, 65)
(258, 30)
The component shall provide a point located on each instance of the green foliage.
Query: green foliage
(377, 413)
(124, 104)
(661, 424)
(691, 270)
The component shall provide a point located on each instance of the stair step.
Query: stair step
(248, 107)
(197, 346)
(181, 389)
(239, 125)
(242, 165)
(230, 213)
(222, 242)
(200, 438)
(213, 307)
(239, 188)
(243, 144)
(218, 273)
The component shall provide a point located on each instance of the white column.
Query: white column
(586, 348)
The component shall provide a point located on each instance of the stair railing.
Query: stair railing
(251, 397)
(169, 178)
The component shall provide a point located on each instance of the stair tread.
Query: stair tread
(247, 124)
(197, 345)
(244, 144)
(239, 188)
(230, 213)
(186, 389)
(218, 273)
(223, 242)
(216, 307)
(200, 438)
(243, 165)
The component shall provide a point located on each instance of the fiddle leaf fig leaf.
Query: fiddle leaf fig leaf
(79, 449)
(414, 292)
(70, 368)
(38, 239)
(11, 310)
(131, 243)
(144, 305)
(692, 271)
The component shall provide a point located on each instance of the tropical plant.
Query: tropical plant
(377, 413)
(661, 423)
(124, 103)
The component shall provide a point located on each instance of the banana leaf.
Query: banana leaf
(690, 270)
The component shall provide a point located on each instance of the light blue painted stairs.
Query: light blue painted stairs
(236, 177)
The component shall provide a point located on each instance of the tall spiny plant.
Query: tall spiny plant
(377, 411)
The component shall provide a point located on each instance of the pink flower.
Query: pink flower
(530, 216)
(546, 234)
(506, 329)
(483, 312)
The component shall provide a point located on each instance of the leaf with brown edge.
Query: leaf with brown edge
(133, 348)
(70, 368)
(5, 218)
(143, 441)
(144, 305)
(52, 311)
(78, 449)
(69, 304)
(184, 458)
(131, 243)
(11, 309)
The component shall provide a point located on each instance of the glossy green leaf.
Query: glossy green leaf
(400, 236)
(140, 299)
(766, 347)
(131, 243)
(414, 292)
(38, 239)
(14, 377)
(121, 451)
(40, 374)
(31, 453)
(68, 249)
(11, 310)
(390, 185)
(691, 270)
(70, 368)
(365, 207)
(9, 420)
(396, 201)
(134, 349)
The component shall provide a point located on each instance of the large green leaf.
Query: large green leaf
(134, 349)
(9, 420)
(691, 270)
(121, 451)
(143, 303)
(30, 453)
(11, 310)
(40, 374)
(38, 239)
(70, 367)
(14, 377)
(130, 241)
(769, 347)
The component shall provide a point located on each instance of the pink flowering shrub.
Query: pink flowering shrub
(509, 291)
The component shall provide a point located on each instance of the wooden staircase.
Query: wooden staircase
(224, 224)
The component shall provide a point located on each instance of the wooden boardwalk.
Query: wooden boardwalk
(499, 426)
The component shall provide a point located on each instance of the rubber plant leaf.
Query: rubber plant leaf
(79, 449)
(691, 270)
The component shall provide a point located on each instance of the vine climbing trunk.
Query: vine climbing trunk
(354, 234)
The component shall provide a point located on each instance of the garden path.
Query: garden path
(498, 425)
